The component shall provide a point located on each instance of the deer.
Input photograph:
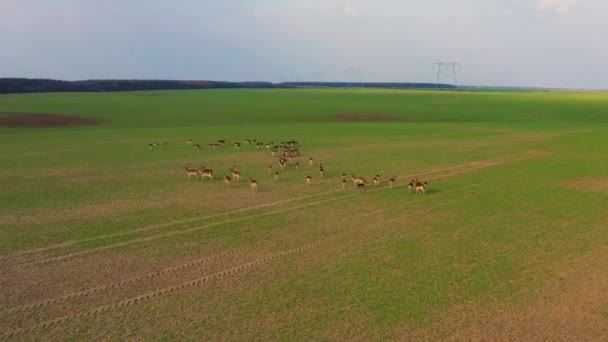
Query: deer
(421, 187)
(310, 161)
(391, 181)
(297, 165)
(269, 168)
(248, 141)
(235, 174)
(191, 172)
(360, 186)
(376, 180)
(343, 177)
(357, 180)
(253, 184)
(276, 175)
(308, 180)
(343, 183)
(237, 145)
(206, 173)
(321, 171)
(197, 146)
(228, 180)
(150, 147)
(412, 184)
(189, 142)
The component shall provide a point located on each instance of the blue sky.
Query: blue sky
(546, 43)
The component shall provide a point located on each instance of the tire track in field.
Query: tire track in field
(167, 290)
(460, 169)
(231, 212)
(180, 267)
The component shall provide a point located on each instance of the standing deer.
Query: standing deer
(253, 184)
(269, 169)
(206, 173)
(308, 180)
(310, 161)
(197, 146)
(343, 183)
(357, 180)
(412, 184)
(276, 175)
(228, 180)
(237, 145)
(321, 171)
(391, 181)
(235, 174)
(421, 187)
(297, 166)
(376, 180)
(189, 142)
(191, 172)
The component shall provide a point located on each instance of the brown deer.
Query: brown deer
(421, 187)
(276, 175)
(237, 145)
(308, 180)
(357, 180)
(391, 181)
(297, 166)
(248, 141)
(343, 183)
(235, 174)
(253, 184)
(206, 173)
(189, 142)
(412, 184)
(376, 180)
(228, 180)
(321, 171)
(311, 161)
(191, 172)
(360, 186)
(197, 146)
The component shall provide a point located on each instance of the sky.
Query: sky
(535, 43)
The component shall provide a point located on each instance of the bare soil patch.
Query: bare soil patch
(589, 185)
(44, 120)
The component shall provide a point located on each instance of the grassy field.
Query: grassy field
(102, 238)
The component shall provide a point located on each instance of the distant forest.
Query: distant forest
(28, 85)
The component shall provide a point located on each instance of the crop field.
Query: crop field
(104, 236)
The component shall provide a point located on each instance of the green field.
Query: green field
(103, 238)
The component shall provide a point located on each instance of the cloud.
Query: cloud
(556, 6)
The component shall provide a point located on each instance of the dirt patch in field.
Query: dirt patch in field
(44, 120)
(589, 185)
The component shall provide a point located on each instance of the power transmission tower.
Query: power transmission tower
(354, 74)
(449, 68)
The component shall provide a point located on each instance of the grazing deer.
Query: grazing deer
(253, 184)
(237, 145)
(228, 180)
(191, 172)
(197, 146)
(308, 180)
(248, 141)
(357, 180)
(391, 181)
(310, 161)
(421, 187)
(235, 174)
(189, 142)
(297, 166)
(276, 175)
(376, 180)
(412, 184)
(206, 173)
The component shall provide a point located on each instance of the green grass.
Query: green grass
(496, 234)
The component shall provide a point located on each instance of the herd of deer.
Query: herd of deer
(289, 150)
